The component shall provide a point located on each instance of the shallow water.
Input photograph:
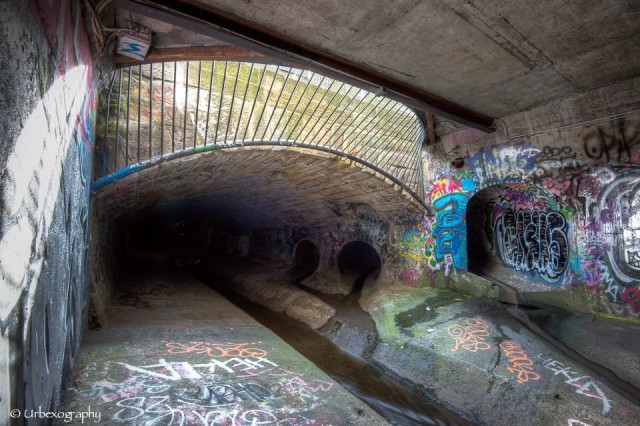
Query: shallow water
(398, 403)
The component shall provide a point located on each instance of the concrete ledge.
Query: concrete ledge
(328, 283)
(473, 355)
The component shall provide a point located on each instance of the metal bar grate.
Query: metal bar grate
(248, 103)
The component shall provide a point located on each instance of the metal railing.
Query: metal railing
(162, 110)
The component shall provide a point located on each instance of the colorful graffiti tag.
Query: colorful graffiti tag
(510, 163)
(531, 240)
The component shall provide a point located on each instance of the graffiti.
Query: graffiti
(293, 382)
(470, 337)
(216, 350)
(632, 297)
(585, 384)
(228, 393)
(614, 143)
(531, 240)
(502, 164)
(450, 230)
(287, 238)
(132, 409)
(574, 422)
(520, 361)
(619, 206)
(185, 370)
(551, 153)
(445, 186)
(410, 244)
(410, 276)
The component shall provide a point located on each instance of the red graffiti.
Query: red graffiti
(632, 297)
(520, 361)
(215, 350)
(471, 337)
(63, 25)
(445, 186)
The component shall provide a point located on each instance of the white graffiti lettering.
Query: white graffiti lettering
(585, 384)
(174, 371)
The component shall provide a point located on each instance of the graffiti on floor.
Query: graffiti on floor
(216, 350)
(574, 422)
(520, 362)
(185, 370)
(584, 384)
(471, 336)
(531, 240)
(216, 384)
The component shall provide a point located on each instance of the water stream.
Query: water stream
(398, 403)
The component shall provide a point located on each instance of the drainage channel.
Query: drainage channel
(396, 402)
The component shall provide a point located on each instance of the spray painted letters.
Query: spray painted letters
(532, 240)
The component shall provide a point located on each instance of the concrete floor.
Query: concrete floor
(489, 361)
(175, 352)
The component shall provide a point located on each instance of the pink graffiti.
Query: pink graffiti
(445, 186)
(410, 276)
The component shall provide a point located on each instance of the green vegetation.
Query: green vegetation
(225, 103)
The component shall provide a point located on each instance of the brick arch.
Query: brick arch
(257, 187)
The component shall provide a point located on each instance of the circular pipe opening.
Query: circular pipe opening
(306, 260)
(357, 260)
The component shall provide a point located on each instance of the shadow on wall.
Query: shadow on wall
(357, 261)
(518, 236)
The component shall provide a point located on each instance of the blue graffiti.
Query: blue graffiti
(114, 176)
(133, 48)
(510, 163)
(450, 230)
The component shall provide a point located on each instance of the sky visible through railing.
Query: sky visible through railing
(153, 110)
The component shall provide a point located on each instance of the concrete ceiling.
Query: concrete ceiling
(493, 57)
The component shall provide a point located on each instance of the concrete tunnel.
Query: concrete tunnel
(239, 237)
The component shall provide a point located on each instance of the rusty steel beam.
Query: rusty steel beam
(203, 19)
(195, 53)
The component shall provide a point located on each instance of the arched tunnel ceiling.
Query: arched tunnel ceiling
(494, 57)
(241, 189)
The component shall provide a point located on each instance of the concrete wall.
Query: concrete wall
(551, 200)
(46, 127)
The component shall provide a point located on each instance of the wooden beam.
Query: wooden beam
(195, 53)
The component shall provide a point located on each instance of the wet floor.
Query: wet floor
(396, 402)
(177, 353)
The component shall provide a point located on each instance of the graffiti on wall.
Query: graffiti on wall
(578, 225)
(47, 182)
(446, 250)
(504, 163)
(618, 141)
(531, 240)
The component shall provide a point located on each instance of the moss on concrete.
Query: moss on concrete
(389, 305)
